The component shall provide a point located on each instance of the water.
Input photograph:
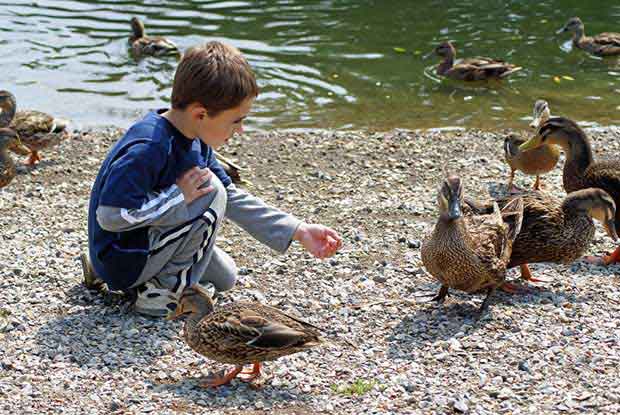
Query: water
(319, 63)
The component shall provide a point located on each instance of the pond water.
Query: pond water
(330, 64)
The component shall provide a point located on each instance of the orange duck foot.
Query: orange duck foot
(526, 274)
(613, 258)
(219, 379)
(252, 374)
(34, 157)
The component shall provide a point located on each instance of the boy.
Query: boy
(160, 195)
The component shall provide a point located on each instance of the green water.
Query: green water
(319, 63)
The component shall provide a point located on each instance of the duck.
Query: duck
(471, 69)
(8, 139)
(143, 45)
(555, 230)
(604, 44)
(533, 162)
(470, 252)
(580, 170)
(37, 130)
(239, 333)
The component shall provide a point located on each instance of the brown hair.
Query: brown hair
(214, 75)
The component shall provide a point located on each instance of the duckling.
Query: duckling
(604, 44)
(37, 130)
(240, 333)
(470, 253)
(142, 45)
(555, 230)
(471, 69)
(533, 162)
(8, 139)
(580, 169)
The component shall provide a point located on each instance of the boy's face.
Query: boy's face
(215, 131)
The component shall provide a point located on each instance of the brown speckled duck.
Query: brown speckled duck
(532, 162)
(143, 45)
(555, 230)
(240, 333)
(36, 129)
(471, 69)
(470, 253)
(604, 44)
(8, 139)
(580, 169)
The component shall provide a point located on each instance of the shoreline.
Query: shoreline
(62, 349)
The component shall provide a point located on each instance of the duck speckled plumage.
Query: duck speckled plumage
(37, 130)
(143, 45)
(8, 140)
(470, 253)
(604, 44)
(471, 69)
(532, 162)
(580, 169)
(241, 333)
(555, 230)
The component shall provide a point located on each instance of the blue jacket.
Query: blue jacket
(138, 176)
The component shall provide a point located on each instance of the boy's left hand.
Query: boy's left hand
(319, 240)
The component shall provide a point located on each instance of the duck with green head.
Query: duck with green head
(604, 44)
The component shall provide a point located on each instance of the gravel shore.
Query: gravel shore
(65, 349)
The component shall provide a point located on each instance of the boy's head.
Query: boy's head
(215, 86)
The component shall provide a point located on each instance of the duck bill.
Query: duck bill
(173, 316)
(428, 55)
(454, 209)
(562, 30)
(529, 144)
(610, 228)
(536, 122)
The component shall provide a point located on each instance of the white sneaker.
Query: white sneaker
(153, 299)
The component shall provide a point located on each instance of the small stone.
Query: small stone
(460, 406)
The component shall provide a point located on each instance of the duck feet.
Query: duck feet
(605, 260)
(526, 274)
(220, 378)
(252, 374)
(34, 157)
(537, 183)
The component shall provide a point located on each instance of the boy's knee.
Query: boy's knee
(216, 199)
(222, 271)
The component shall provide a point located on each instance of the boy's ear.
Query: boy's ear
(198, 111)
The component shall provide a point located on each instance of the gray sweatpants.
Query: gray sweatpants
(185, 254)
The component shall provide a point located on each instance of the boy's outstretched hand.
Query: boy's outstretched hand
(319, 240)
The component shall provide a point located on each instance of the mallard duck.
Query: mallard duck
(580, 169)
(8, 139)
(471, 69)
(555, 230)
(533, 162)
(143, 45)
(470, 253)
(604, 44)
(36, 129)
(240, 333)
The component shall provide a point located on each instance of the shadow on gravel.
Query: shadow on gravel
(217, 398)
(101, 335)
(428, 322)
